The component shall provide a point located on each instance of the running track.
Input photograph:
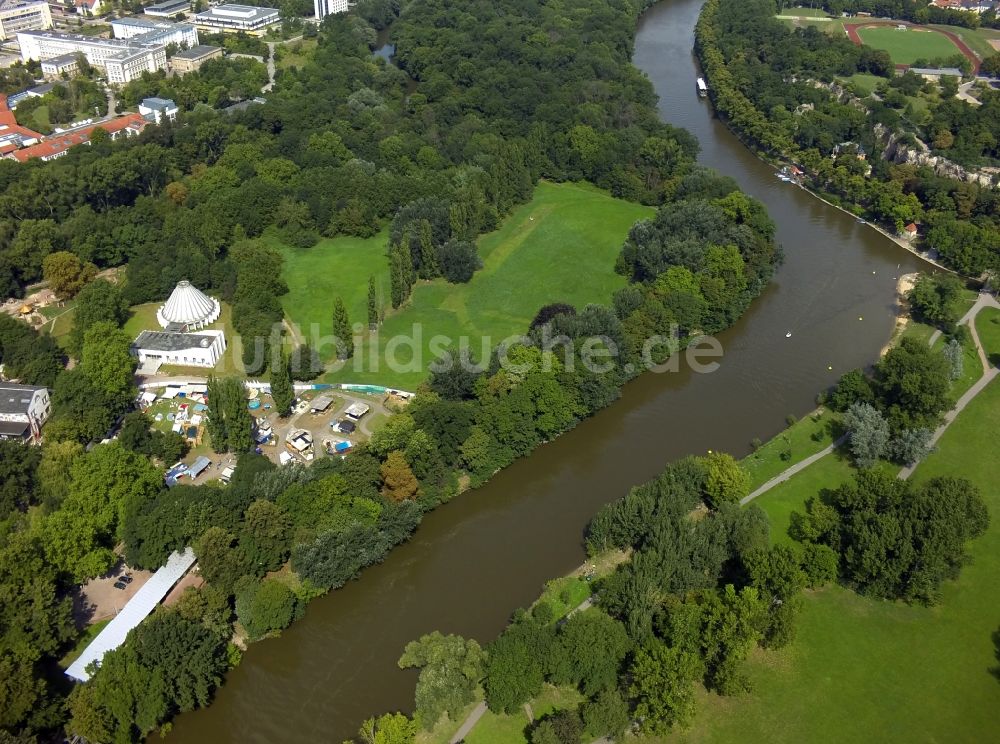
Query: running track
(852, 34)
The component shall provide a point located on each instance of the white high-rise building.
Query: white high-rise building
(323, 8)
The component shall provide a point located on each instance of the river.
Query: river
(476, 559)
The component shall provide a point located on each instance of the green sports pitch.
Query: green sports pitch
(906, 47)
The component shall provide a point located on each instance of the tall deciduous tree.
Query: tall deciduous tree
(107, 363)
(66, 274)
(450, 670)
(663, 686)
(98, 301)
(398, 481)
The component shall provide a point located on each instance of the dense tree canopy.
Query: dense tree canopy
(788, 91)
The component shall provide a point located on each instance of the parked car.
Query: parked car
(126, 579)
(120, 584)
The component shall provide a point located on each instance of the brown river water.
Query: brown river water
(475, 560)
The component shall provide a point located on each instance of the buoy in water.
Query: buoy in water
(860, 318)
(830, 368)
(788, 335)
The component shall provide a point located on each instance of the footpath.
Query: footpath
(989, 373)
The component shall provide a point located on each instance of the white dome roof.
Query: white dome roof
(188, 306)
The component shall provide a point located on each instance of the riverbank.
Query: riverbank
(852, 625)
(753, 126)
(816, 689)
(478, 557)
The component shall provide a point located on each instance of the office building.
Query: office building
(189, 60)
(23, 15)
(245, 18)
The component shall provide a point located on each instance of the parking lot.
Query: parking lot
(98, 599)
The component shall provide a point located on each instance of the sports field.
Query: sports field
(861, 670)
(906, 47)
(559, 247)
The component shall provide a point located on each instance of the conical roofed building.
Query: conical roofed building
(188, 309)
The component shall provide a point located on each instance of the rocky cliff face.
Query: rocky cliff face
(897, 150)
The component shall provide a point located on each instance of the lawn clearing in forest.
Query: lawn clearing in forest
(559, 247)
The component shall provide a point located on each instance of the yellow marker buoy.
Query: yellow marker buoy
(830, 368)
(860, 318)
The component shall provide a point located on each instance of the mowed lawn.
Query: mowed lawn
(862, 670)
(559, 247)
(333, 267)
(988, 328)
(906, 47)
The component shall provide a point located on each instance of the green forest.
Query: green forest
(763, 78)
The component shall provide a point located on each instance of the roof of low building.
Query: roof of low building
(322, 403)
(196, 52)
(133, 613)
(13, 428)
(59, 143)
(167, 6)
(169, 341)
(158, 104)
(198, 466)
(16, 398)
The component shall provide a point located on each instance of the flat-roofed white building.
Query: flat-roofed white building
(23, 15)
(144, 31)
(323, 8)
(232, 17)
(64, 64)
(131, 63)
(201, 349)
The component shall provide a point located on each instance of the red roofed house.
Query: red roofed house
(57, 145)
(12, 135)
(910, 231)
(89, 7)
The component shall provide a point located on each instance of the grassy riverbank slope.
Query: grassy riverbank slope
(559, 247)
(863, 670)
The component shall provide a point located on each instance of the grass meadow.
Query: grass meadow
(559, 247)
(863, 670)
